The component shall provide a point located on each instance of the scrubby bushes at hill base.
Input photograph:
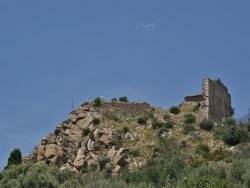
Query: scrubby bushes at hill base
(172, 169)
(37, 176)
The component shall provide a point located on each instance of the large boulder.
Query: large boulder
(80, 159)
(40, 153)
(52, 152)
(119, 160)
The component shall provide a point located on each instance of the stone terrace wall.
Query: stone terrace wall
(219, 100)
(123, 109)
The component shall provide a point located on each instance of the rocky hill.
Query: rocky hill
(112, 135)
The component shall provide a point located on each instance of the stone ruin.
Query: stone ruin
(214, 103)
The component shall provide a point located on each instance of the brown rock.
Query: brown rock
(90, 145)
(50, 138)
(105, 139)
(116, 169)
(40, 152)
(128, 136)
(119, 160)
(52, 152)
(111, 152)
(80, 158)
(43, 141)
(73, 118)
(85, 122)
(93, 156)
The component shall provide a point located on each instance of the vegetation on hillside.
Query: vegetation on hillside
(174, 148)
(15, 158)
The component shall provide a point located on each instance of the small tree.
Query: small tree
(189, 119)
(230, 121)
(15, 158)
(202, 148)
(166, 117)
(206, 125)
(114, 99)
(142, 120)
(175, 110)
(234, 136)
(123, 99)
(85, 131)
(97, 102)
(96, 121)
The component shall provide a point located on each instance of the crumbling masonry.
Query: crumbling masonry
(214, 103)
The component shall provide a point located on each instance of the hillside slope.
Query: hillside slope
(111, 135)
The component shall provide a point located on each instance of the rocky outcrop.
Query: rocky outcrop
(77, 143)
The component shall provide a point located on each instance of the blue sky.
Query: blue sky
(159, 51)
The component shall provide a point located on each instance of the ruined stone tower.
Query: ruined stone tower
(214, 102)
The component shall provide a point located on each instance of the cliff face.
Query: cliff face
(87, 140)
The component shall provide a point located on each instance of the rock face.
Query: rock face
(77, 143)
(214, 102)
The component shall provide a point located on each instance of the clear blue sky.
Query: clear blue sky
(159, 51)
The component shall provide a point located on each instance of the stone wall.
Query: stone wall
(219, 100)
(214, 102)
(195, 98)
(123, 109)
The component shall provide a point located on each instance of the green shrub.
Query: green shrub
(196, 108)
(134, 152)
(230, 121)
(237, 171)
(97, 102)
(161, 131)
(96, 121)
(57, 131)
(113, 117)
(123, 99)
(117, 143)
(33, 175)
(189, 119)
(156, 124)
(174, 110)
(218, 155)
(188, 128)
(169, 124)
(142, 120)
(166, 117)
(199, 182)
(149, 115)
(157, 172)
(218, 132)
(248, 126)
(234, 136)
(63, 159)
(114, 99)
(206, 125)
(202, 148)
(92, 136)
(85, 131)
(103, 161)
(65, 143)
(183, 144)
(125, 129)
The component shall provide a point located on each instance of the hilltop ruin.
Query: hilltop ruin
(214, 103)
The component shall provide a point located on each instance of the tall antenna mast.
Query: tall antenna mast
(72, 105)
